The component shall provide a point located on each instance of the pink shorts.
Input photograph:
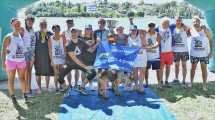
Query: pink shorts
(12, 65)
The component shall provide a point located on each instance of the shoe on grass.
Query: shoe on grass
(175, 81)
(167, 84)
(189, 85)
(205, 88)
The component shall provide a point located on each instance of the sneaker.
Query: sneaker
(205, 88)
(162, 82)
(167, 84)
(82, 91)
(27, 101)
(14, 101)
(175, 82)
(190, 85)
(63, 88)
(39, 91)
(141, 89)
(30, 95)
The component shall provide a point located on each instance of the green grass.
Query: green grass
(185, 104)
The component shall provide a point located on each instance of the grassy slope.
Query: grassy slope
(186, 104)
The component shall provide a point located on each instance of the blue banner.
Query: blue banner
(117, 57)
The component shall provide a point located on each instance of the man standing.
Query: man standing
(153, 53)
(200, 41)
(166, 55)
(101, 33)
(180, 49)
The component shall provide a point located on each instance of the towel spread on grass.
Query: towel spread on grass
(128, 106)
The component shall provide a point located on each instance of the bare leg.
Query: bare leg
(192, 73)
(204, 75)
(184, 70)
(161, 73)
(11, 76)
(56, 72)
(136, 78)
(141, 80)
(77, 76)
(69, 78)
(47, 81)
(38, 78)
(21, 74)
(177, 65)
(147, 76)
(158, 78)
(167, 72)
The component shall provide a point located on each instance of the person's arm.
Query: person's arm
(143, 37)
(50, 50)
(209, 36)
(158, 41)
(6, 42)
(76, 60)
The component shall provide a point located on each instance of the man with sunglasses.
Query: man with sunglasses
(101, 33)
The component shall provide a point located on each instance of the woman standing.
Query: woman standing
(42, 60)
(29, 42)
(56, 46)
(14, 59)
(136, 39)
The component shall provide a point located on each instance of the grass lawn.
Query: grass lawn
(185, 104)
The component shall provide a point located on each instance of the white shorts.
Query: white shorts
(58, 61)
(141, 60)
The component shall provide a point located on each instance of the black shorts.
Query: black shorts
(202, 60)
(155, 65)
(181, 56)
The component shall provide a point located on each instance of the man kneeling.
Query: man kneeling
(76, 52)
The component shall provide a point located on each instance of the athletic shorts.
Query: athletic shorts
(202, 60)
(166, 58)
(155, 65)
(12, 65)
(181, 56)
(29, 56)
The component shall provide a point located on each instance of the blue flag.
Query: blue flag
(115, 57)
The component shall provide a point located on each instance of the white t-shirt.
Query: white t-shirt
(166, 40)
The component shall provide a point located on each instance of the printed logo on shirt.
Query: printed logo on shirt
(58, 51)
(198, 43)
(19, 52)
(177, 39)
(77, 51)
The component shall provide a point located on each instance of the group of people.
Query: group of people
(56, 53)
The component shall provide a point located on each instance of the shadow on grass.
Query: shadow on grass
(177, 92)
(42, 108)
